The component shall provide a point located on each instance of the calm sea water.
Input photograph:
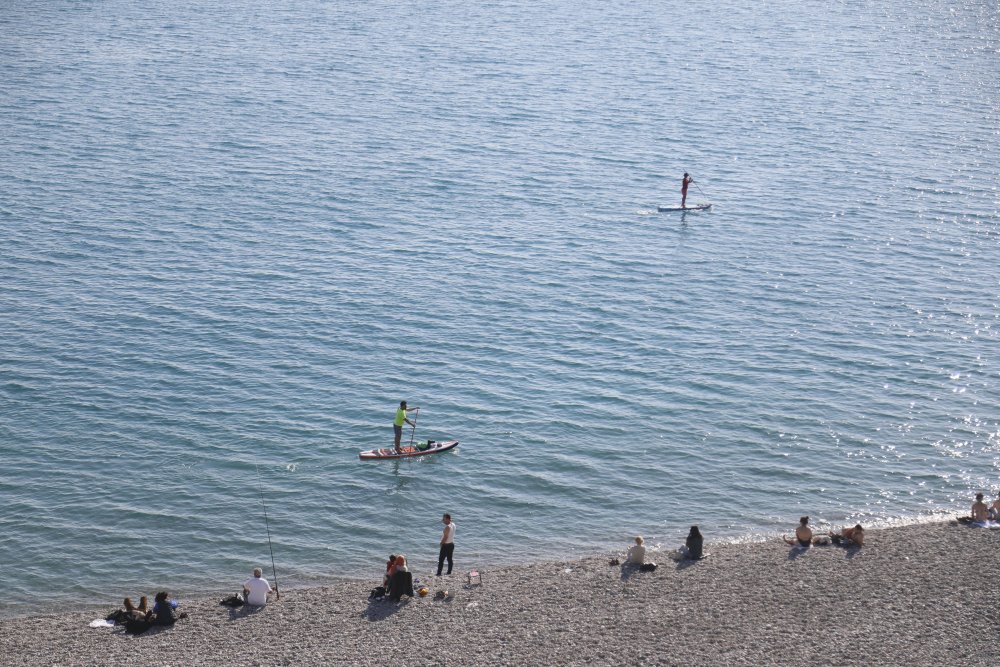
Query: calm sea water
(236, 235)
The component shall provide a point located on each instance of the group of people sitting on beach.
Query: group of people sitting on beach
(392, 566)
(855, 537)
(397, 580)
(140, 618)
(804, 537)
(848, 537)
(981, 512)
(693, 548)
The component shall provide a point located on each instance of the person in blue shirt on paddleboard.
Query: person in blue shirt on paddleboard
(684, 189)
(397, 423)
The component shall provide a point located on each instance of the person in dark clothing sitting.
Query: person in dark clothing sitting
(164, 610)
(692, 549)
(401, 582)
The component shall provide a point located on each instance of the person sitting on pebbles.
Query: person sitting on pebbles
(390, 569)
(995, 509)
(402, 582)
(803, 534)
(850, 537)
(256, 589)
(693, 545)
(636, 552)
(979, 510)
(164, 610)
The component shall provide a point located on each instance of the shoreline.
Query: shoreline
(421, 564)
(912, 595)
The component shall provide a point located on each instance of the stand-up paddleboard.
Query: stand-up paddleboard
(672, 209)
(409, 451)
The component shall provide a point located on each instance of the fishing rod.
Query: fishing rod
(260, 486)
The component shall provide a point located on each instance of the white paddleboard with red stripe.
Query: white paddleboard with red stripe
(408, 451)
(695, 207)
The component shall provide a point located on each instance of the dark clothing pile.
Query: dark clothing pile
(401, 584)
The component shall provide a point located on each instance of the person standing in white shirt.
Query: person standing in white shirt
(447, 543)
(256, 589)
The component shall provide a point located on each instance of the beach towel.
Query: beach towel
(967, 521)
(117, 616)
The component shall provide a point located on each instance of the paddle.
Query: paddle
(699, 190)
(414, 429)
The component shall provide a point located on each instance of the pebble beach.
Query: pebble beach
(913, 595)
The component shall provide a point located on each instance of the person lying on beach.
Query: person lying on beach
(692, 549)
(131, 611)
(803, 534)
(135, 620)
(636, 553)
(850, 537)
(979, 510)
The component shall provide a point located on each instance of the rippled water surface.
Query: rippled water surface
(236, 235)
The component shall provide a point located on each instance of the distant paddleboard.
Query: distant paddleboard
(407, 452)
(672, 209)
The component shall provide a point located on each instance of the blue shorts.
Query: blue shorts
(397, 429)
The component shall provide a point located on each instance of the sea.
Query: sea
(235, 235)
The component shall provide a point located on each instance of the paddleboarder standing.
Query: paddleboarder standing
(684, 189)
(397, 423)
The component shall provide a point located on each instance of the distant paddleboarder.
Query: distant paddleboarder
(684, 189)
(397, 423)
